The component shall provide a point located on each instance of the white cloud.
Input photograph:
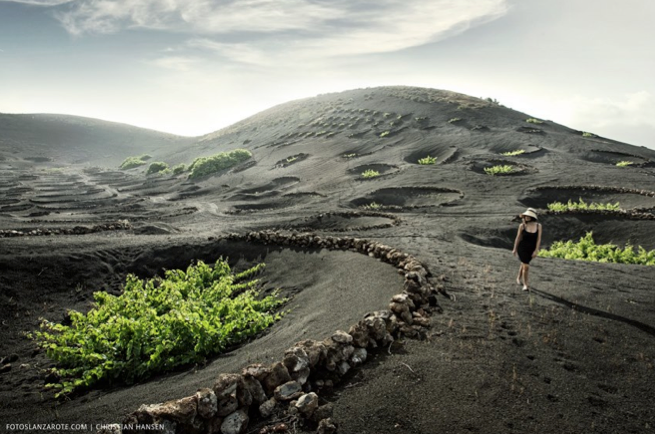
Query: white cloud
(250, 31)
(177, 63)
(633, 109)
(40, 2)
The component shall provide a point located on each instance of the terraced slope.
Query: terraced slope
(572, 355)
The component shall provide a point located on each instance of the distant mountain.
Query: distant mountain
(72, 139)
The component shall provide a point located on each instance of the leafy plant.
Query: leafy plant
(625, 163)
(384, 134)
(582, 205)
(203, 166)
(499, 170)
(291, 160)
(156, 167)
(132, 162)
(177, 169)
(453, 120)
(370, 174)
(587, 250)
(513, 153)
(427, 160)
(372, 205)
(534, 121)
(353, 155)
(584, 134)
(156, 325)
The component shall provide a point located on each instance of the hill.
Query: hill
(400, 166)
(62, 139)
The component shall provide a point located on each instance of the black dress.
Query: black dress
(527, 245)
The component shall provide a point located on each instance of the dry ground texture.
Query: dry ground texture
(575, 354)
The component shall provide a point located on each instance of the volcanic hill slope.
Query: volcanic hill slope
(575, 354)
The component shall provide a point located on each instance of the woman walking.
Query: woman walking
(526, 244)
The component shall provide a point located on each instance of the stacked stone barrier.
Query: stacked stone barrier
(77, 230)
(291, 386)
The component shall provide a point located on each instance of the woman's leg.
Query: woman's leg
(518, 278)
(526, 271)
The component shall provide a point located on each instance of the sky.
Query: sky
(193, 67)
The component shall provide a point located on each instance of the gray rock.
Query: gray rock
(227, 405)
(266, 409)
(359, 356)
(343, 368)
(307, 403)
(255, 388)
(296, 359)
(235, 423)
(278, 375)
(342, 337)
(207, 403)
(257, 371)
(326, 426)
(301, 376)
(181, 410)
(288, 391)
(227, 384)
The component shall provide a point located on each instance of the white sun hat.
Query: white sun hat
(530, 212)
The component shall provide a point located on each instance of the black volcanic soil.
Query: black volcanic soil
(575, 354)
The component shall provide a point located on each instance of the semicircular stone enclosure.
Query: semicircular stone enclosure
(628, 199)
(398, 198)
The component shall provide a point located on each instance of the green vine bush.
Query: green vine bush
(427, 160)
(513, 153)
(534, 121)
(156, 325)
(156, 167)
(625, 163)
(587, 250)
(132, 162)
(179, 168)
(370, 174)
(582, 205)
(499, 170)
(203, 166)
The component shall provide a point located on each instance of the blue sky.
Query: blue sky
(192, 67)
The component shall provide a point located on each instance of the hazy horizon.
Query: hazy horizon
(191, 68)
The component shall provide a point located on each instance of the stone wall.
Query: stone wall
(292, 385)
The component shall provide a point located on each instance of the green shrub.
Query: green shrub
(384, 134)
(534, 121)
(587, 250)
(427, 160)
(353, 155)
(370, 174)
(372, 205)
(625, 163)
(156, 167)
(498, 170)
(588, 135)
(180, 168)
(513, 153)
(582, 205)
(132, 162)
(203, 166)
(156, 325)
(453, 120)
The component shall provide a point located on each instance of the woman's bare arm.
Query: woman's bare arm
(536, 250)
(517, 240)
